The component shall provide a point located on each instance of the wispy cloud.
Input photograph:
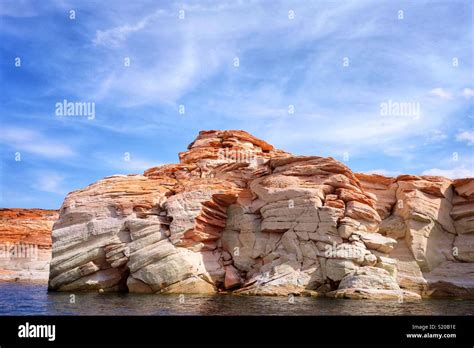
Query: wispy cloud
(435, 136)
(441, 93)
(468, 93)
(23, 139)
(126, 163)
(453, 173)
(461, 166)
(466, 136)
(49, 181)
(383, 172)
(113, 37)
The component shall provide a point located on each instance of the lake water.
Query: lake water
(23, 299)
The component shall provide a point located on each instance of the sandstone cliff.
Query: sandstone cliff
(238, 215)
(25, 244)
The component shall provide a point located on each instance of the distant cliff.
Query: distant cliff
(238, 215)
(25, 244)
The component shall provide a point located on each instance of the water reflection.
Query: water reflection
(16, 299)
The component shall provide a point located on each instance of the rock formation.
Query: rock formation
(237, 215)
(25, 244)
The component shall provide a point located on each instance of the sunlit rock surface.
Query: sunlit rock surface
(238, 215)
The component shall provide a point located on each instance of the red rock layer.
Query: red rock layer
(32, 226)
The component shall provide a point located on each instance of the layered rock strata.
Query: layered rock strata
(237, 215)
(25, 244)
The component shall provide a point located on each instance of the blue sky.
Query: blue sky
(422, 55)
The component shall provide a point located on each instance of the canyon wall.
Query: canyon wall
(237, 215)
(25, 244)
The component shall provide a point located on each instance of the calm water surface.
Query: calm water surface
(22, 299)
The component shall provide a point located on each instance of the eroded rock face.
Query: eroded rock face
(25, 244)
(432, 219)
(238, 215)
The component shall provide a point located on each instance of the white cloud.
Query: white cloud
(166, 81)
(461, 167)
(467, 136)
(383, 172)
(115, 36)
(49, 182)
(139, 165)
(22, 139)
(134, 164)
(181, 54)
(435, 136)
(453, 173)
(441, 93)
(166, 74)
(468, 93)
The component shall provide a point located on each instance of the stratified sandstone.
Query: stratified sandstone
(238, 215)
(25, 244)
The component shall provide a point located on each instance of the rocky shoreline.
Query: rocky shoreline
(238, 216)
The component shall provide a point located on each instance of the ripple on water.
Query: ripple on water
(24, 299)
